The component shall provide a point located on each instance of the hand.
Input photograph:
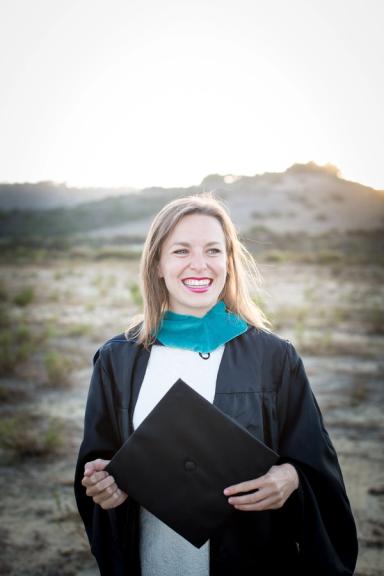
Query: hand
(271, 490)
(101, 486)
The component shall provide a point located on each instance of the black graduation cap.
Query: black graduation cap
(179, 460)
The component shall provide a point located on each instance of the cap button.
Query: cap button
(189, 465)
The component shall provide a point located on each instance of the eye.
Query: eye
(180, 251)
(214, 250)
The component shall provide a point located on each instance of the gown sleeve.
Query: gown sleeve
(104, 528)
(326, 531)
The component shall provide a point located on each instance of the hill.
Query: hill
(305, 198)
(48, 195)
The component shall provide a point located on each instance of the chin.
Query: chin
(202, 302)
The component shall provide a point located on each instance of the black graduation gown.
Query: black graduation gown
(263, 385)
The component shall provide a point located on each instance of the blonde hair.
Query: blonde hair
(241, 268)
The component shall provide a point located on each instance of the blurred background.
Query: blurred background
(108, 110)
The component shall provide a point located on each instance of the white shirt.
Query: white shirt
(163, 552)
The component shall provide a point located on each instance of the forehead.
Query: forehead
(197, 228)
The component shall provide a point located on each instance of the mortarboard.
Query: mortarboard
(177, 463)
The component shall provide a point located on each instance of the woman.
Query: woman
(200, 324)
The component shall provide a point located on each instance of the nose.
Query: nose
(198, 261)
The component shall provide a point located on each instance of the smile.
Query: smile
(197, 282)
(197, 285)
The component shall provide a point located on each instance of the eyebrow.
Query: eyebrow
(188, 244)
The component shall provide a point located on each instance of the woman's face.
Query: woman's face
(193, 263)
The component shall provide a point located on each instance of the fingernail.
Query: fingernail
(227, 491)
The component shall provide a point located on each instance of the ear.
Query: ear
(159, 271)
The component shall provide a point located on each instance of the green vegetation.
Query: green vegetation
(5, 320)
(17, 344)
(21, 251)
(3, 292)
(374, 319)
(116, 252)
(66, 510)
(58, 369)
(359, 392)
(98, 280)
(59, 224)
(27, 434)
(78, 330)
(357, 247)
(136, 295)
(59, 275)
(9, 393)
(53, 296)
(25, 297)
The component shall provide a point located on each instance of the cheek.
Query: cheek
(171, 270)
(222, 267)
(220, 270)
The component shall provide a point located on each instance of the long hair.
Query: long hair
(242, 271)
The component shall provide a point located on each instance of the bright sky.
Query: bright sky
(165, 92)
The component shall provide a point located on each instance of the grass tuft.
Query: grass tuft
(136, 295)
(28, 435)
(58, 369)
(24, 297)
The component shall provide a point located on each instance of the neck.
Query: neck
(195, 312)
(200, 333)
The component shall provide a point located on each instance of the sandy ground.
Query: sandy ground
(330, 315)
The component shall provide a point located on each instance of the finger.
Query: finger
(94, 489)
(89, 480)
(252, 498)
(105, 494)
(97, 465)
(88, 469)
(116, 499)
(86, 481)
(98, 488)
(107, 485)
(94, 479)
(97, 476)
(270, 503)
(106, 482)
(245, 486)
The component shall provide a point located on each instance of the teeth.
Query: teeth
(197, 282)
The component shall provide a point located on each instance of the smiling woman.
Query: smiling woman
(201, 325)
(199, 268)
(190, 240)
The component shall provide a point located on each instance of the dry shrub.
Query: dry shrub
(27, 434)
(58, 369)
(17, 344)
